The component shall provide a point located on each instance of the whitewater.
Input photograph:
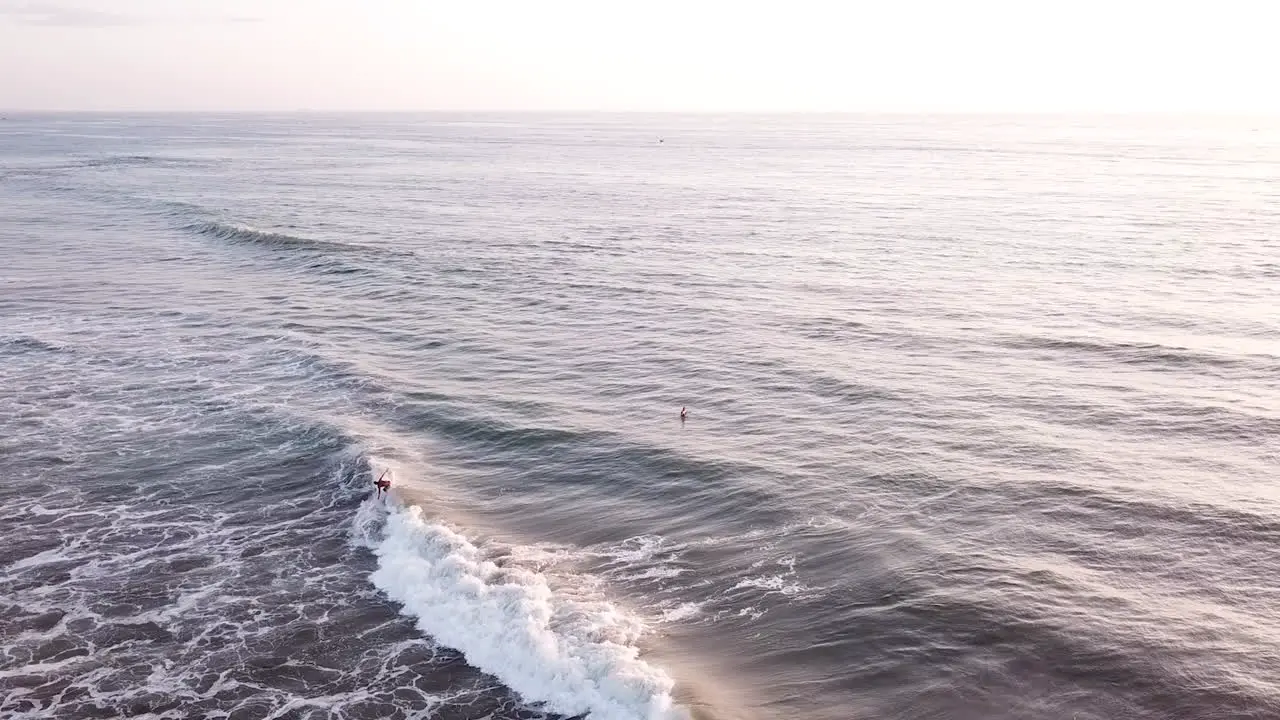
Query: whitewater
(576, 656)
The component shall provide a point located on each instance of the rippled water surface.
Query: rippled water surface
(983, 417)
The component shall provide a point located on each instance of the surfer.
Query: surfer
(683, 414)
(383, 485)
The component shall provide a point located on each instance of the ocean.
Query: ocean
(983, 417)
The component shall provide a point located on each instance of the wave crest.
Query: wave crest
(575, 657)
(1128, 353)
(250, 236)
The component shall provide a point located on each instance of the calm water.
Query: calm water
(983, 417)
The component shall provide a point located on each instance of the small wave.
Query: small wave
(500, 435)
(144, 159)
(830, 328)
(1147, 417)
(30, 344)
(573, 656)
(1127, 353)
(326, 257)
(249, 236)
(112, 160)
(122, 161)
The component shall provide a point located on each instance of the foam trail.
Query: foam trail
(574, 657)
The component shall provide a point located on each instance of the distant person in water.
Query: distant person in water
(382, 485)
(683, 414)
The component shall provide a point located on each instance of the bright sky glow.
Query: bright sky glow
(661, 55)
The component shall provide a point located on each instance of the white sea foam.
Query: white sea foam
(683, 611)
(771, 583)
(571, 655)
(635, 550)
(654, 573)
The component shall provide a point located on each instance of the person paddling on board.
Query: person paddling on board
(383, 485)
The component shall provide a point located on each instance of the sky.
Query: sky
(661, 55)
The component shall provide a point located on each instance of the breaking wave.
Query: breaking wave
(572, 655)
(250, 236)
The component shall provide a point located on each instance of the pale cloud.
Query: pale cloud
(54, 14)
(62, 15)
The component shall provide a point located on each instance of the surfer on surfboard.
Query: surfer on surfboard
(382, 485)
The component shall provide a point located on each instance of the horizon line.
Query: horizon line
(528, 111)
